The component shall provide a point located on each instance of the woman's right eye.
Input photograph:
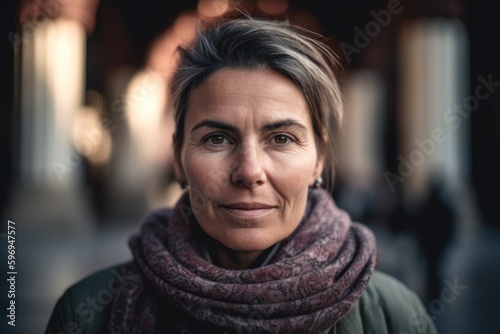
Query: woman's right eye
(217, 140)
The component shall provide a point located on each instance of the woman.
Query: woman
(254, 245)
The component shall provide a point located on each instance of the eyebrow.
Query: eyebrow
(213, 124)
(286, 123)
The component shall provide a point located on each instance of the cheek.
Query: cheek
(291, 179)
(294, 171)
(205, 174)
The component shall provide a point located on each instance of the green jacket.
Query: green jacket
(386, 306)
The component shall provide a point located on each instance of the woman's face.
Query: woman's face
(248, 157)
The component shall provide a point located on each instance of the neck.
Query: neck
(237, 260)
(228, 258)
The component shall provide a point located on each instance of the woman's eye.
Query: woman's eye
(282, 140)
(217, 140)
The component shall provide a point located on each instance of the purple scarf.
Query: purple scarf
(313, 280)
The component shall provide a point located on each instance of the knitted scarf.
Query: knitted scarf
(314, 278)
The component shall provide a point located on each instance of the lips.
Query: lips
(248, 210)
(248, 206)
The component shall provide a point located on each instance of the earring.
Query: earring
(318, 182)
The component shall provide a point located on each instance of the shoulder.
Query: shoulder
(387, 306)
(389, 292)
(84, 307)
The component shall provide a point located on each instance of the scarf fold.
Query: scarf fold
(313, 280)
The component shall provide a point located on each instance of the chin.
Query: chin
(250, 241)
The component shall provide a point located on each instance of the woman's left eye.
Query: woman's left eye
(282, 140)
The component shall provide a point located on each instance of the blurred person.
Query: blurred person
(434, 227)
(255, 244)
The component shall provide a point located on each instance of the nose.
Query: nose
(249, 169)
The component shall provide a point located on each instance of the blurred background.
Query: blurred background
(85, 138)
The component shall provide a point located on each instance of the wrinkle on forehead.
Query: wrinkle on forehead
(240, 93)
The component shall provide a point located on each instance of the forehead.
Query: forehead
(238, 92)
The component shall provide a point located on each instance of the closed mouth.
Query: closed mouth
(247, 210)
(248, 206)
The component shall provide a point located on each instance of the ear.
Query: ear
(318, 168)
(320, 160)
(180, 176)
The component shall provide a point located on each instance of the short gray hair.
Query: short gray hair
(253, 44)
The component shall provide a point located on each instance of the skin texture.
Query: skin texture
(248, 157)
